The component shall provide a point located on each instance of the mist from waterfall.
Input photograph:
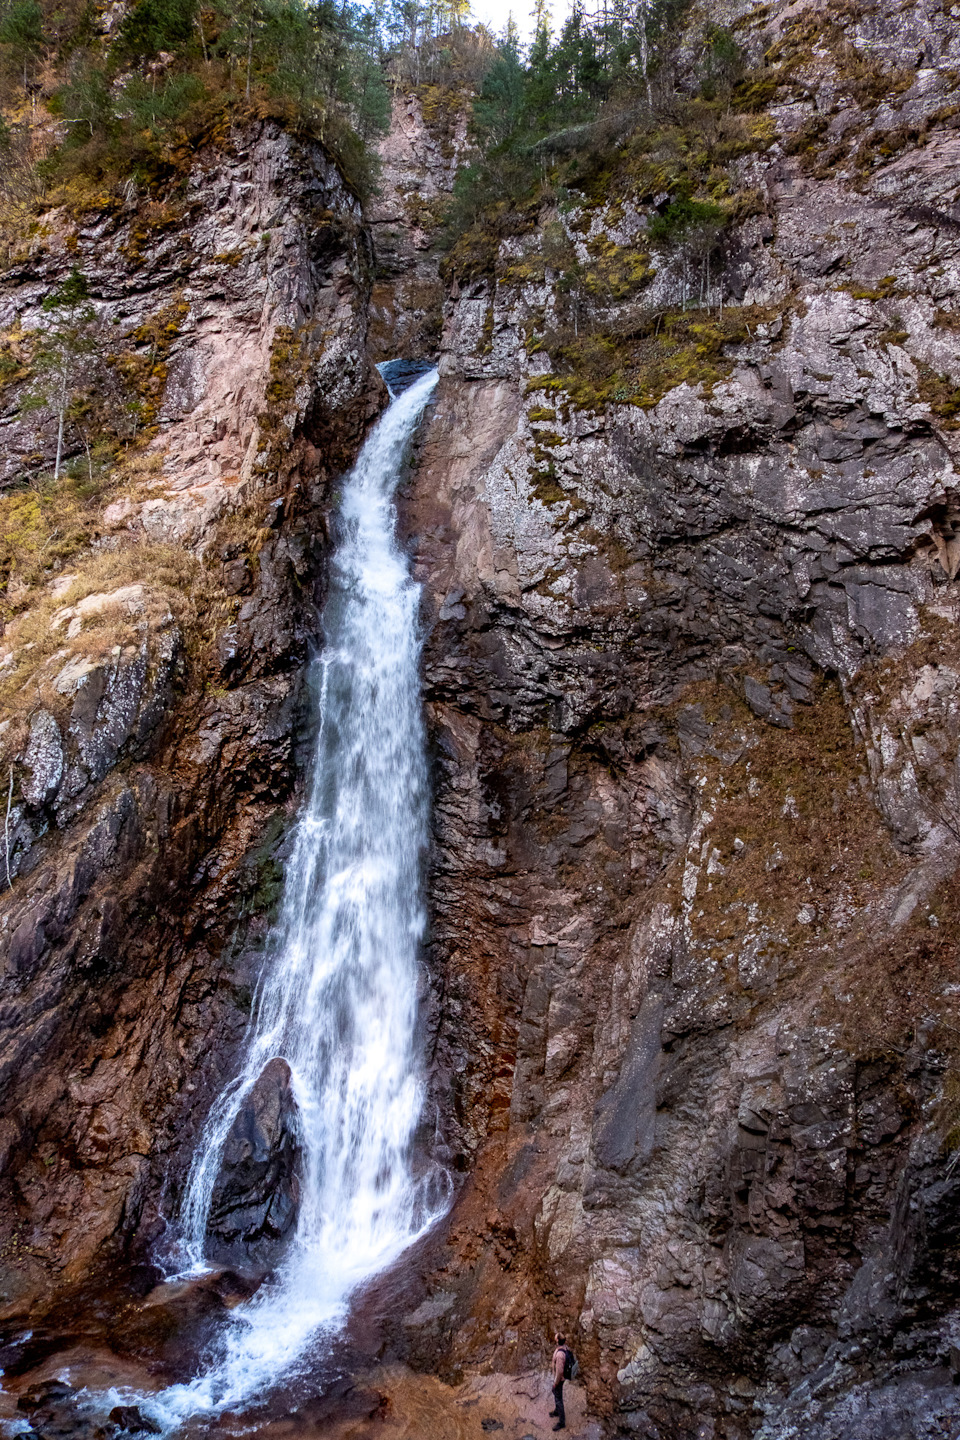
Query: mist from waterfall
(338, 997)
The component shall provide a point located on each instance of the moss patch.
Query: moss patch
(142, 365)
(799, 806)
(289, 366)
(941, 395)
(659, 353)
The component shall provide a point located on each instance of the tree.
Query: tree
(67, 354)
(540, 15)
(22, 30)
(155, 25)
(85, 99)
(498, 109)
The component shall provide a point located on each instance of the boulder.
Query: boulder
(257, 1192)
(132, 1419)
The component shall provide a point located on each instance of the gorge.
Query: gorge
(683, 522)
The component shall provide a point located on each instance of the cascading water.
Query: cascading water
(338, 1002)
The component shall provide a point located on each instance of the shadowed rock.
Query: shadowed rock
(257, 1192)
(131, 1418)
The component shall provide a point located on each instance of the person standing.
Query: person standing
(560, 1367)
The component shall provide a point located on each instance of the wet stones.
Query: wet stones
(131, 1419)
(257, 1192)
(53, 1411)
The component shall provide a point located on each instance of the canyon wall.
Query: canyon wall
(156, 746)
(692, 679)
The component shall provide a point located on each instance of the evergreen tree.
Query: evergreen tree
(21, 30)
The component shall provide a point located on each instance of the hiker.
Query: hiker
(562, 1369)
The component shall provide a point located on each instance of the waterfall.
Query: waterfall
(338, 997)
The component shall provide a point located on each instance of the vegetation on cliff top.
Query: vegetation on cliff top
(101, 111)
(90, 105)
(630, 135)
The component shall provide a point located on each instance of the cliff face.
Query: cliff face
(693, 686)
(154, 750)
(692, 680)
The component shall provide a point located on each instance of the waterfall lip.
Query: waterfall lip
(401, 374)
(337, 998)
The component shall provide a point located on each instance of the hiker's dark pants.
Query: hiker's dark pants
(558, 1402)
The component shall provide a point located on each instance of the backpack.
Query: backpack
(571, 1366)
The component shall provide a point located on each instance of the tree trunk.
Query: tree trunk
(62, 417)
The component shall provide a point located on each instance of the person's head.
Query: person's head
(560, 1339)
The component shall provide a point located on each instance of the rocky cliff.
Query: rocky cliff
(686, 522)
(692, 681)
(158, 689)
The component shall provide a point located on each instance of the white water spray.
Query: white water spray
(339, 1000)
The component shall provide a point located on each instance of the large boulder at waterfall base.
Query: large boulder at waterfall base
(256, 1195)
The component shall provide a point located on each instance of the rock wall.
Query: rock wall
(693, 691)
(154, 770)
(419, 157)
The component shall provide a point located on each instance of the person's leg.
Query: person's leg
(558, 1405)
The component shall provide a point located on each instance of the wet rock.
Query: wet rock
(178, 1317)
(255, 1198)
(56, 1412)
(132, 1419)
(45, 1393)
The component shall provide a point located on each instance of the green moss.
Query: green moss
(894, 334)
(143, 365)
(941, 395)
(660, 353)
(289, 364)
(616, 273)
(756, 89)
(545, 486)
(883, 290)
(684, 157)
